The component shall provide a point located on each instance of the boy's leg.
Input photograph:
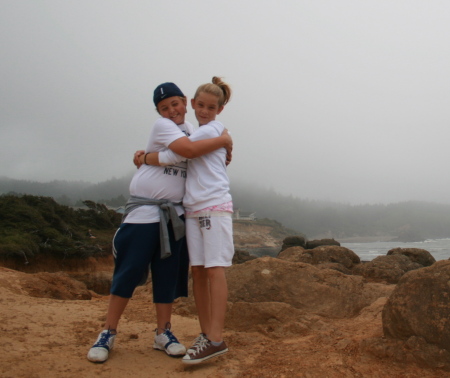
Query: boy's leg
(99, 352)
(163, 316)
(164, 338)
(131, 244)
(115, 310)
(170, 281)
(218, 293)
(202, 297)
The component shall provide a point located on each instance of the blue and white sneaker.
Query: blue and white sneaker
(167, 342)
(100, 350)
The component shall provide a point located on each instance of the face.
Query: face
(206, 107)
(173, 108)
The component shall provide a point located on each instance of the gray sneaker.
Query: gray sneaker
(167, 342)
(203, 351)
(100, 350)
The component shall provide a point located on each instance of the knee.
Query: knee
(198, 273)
(215, 273)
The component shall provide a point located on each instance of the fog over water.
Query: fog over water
(438, 248)
(333, 100)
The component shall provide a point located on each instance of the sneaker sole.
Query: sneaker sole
(170, 355)
(198, 360)
(97, 362)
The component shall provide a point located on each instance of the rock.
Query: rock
(420, 306)
(334, 254)
(293, 241)
(339, 267)
(321, 242)
(415, 350)
(273, 319)
(386, 268)
(417, 255)
(54, 285)
(293, 254)
(322, 292)
(99, 282)
(329, 255)
(241, 256)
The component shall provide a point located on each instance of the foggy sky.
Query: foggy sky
(344, 101)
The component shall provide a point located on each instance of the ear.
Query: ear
(193, 103)
(220, 109)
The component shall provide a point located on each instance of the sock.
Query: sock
(216, 343)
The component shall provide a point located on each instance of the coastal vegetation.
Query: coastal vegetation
(31, 225)
(402, 221)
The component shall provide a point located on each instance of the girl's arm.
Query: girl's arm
(187, 149)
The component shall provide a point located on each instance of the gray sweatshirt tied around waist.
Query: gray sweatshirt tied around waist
(167, 212)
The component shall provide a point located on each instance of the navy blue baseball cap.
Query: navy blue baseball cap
(164, 91)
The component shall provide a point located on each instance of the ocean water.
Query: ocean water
(439, 248)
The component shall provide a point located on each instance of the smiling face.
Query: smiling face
(173, 108)
(206, 107)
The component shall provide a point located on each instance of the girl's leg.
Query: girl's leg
(218, 298)
(202, 297)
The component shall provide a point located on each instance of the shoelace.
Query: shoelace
(170, 336)
(104, 339)
(197, 340)
(200, 345)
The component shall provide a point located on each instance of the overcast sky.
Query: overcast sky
(346, 101)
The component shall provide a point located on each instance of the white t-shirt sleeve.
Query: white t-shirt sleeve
(164, 132)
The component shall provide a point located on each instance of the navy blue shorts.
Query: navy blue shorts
(138, 246)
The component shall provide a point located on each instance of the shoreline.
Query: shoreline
(367, 239)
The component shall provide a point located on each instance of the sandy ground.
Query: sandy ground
(42, 337)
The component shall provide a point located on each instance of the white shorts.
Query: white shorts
(210, 240)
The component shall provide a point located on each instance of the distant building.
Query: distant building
(120, 209)
(244, 215)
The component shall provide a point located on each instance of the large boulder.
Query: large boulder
(417, 255)
(322, 292)
(420, 306)
(386, 268)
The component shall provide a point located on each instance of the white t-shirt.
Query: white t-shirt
(207, 183)
(160, 182)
